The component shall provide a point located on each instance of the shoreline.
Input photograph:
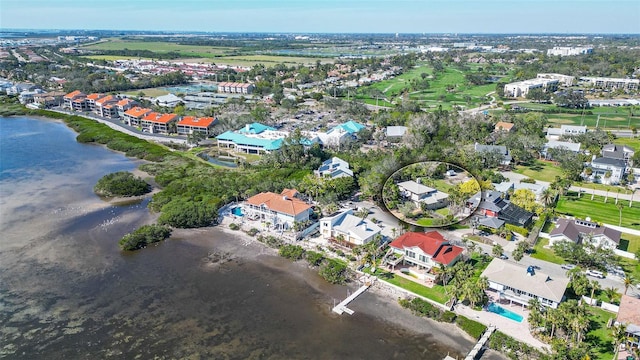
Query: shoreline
(381, 304)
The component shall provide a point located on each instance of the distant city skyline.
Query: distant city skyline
(329, 16)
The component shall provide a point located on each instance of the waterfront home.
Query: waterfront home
(191, 124)
(133, 116)
(334, 168)
(629, 315)
(582, 231)
(91, 101)
(417, 253)
(46, 100)
(253, 138)
(124, 105)
(106, 107)
(75, 101)
(518, 283)
(157, 123)
(279, 210)
(349, 228)
(420, 194)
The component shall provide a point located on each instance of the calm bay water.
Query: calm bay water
(67, 292)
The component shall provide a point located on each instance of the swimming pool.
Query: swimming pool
(495, 308)
(237, 211)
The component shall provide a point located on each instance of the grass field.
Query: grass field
(546, 254)
(112, 57)
(606, 121)
(600, 211)
(435, 293)
(599, 337)
(629, 242)
(161, 47)
(153, 92)
(612, 188)
(540, 170)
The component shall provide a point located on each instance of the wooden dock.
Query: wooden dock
(342, 307)
(483, 340)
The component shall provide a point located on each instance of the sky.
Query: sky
(328, 16)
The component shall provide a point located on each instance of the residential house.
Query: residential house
(629, 315)
(26, 97)
(106, 107)
(253, 138)
(280, 210)
(508, 187)
(91, 101)
(614, 151)
(19, 88)
(565, 130)
(334, 168)
(133, 116)
(157, 123)
(421, 194)
(554, 144)
(70, 99)
(192, 124)
(47, 100)
(603, 166)
(395, 133)
(123, 105)
(423, 251)
(168, 100)
(518, 283)
(352, 229)
(491, 203)
(236, 88)
(499, 149)
(582, 231)
(340, 134)
(502, 126)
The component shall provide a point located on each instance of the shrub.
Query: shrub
(146, 234)
(333, 271)
(517, 229)
(234, 226)
(448, 316)
(528, 181)
(473, 328)
(253, 232)
(293, 252)
(421, 308)
(314, 258)
(121, 183)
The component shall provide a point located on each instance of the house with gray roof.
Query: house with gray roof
(353, 229)
(418, 193)
(499, 149)
(395, 133)
(518, 283)
(494, 204)
(582, 231)
(602, 165)
(334, 168)
(621, 152)
(554, 144)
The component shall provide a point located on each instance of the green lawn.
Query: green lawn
(112, 57)
(599, 337)
(161, 47)
(631, 267)
(600, 211)
(612, 189)
(153, 92)
(620, 120)
(630, 243)
(540, 170)
(425, 221)
(545, 254)
(435, 293)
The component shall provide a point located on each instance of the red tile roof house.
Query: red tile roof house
(191, 124)
(105, 107)
(91, 101)
(158, 123)
(629, 315)
(423, 251)
(71, 97)
(280, 210)
(124, 105)
(133, 116)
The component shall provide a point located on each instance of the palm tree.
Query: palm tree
(548, 197)
(497, 250)
(535, 318)
(619, 206)
(595, 286)
(628, 281)
(619, 335)
(554, 317)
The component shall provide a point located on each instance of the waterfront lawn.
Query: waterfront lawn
(599, 337)
(600, 211)
(540, 170)
(545, 254)
(436, 293)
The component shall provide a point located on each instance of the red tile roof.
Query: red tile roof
(279, 203)
(73, 94)
(125, 102)
(629, 312)
(505, 126)
(94, 96)
(431, 243)
(108, 98)
(160, 118)
(197, 122)
(137, 112)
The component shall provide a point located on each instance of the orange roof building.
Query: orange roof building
(157, 123)
(74, 94)
(190, 124)
(279, 210)
(133, 116)
(426, 250)
(503, 126)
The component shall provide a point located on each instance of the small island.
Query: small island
(143, 236)
(121, 183)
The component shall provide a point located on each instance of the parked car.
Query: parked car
(568, 266)
(504, 257)
(595, 273)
